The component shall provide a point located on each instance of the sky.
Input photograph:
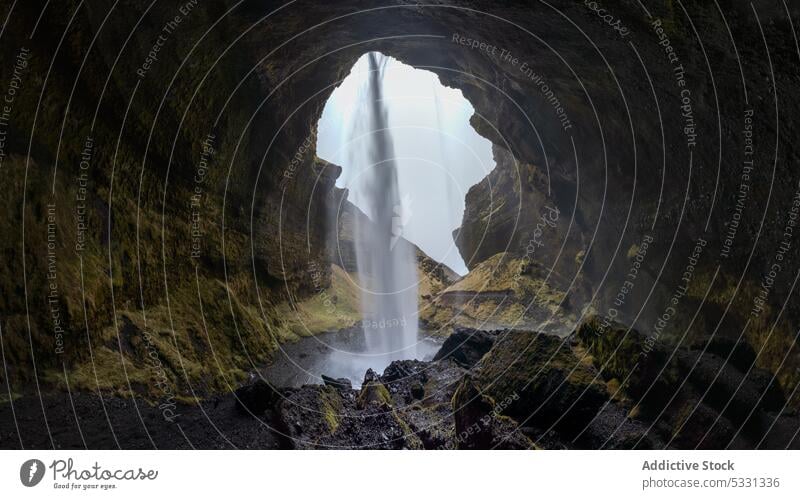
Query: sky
(439, 155)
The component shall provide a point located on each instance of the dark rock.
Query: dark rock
(782, 434)
(309, 414)
(341, 384)
(729, 389)
(466, 346)
(479, 424)
(370, 376)
(739, 353)
(418, 391)
(613, 428)
(664, 381)
(626, 354)
(696, 425)
(256, 397)
(405, 370)
(539, 381)
(317, 416)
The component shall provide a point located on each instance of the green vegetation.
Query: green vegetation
(502, 291)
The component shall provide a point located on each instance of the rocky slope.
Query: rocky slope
(522, 389)
(506, 291)
(502, 389)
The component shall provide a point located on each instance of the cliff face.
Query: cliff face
(639, 141)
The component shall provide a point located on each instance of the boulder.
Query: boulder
(256, 397)
(668, 383)
(539, 381)
(310, 414)
(479, 424)
(401, 371)
(649, 368)
(341, 384)
(373, 392)
(466, 346)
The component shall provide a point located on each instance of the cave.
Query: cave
(183, 245)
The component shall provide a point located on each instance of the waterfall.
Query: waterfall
(408, 155)
(386, 263)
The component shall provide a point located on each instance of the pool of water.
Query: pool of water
(337, 354)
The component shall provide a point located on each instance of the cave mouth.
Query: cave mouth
(438, 153)
(408, 155)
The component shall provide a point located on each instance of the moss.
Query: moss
(670, 19)
(502, 291)
(331, 309)
(5, 398)
(110, 372)
(330, 406)
(373, 392)
(411, 440)
(611, 345)
(523, 369)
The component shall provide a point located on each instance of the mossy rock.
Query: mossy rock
(479, 424)
(310, 415)
(373, 393)
(538, 380)
(626, 354)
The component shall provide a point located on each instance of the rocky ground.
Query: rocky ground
(503, 389)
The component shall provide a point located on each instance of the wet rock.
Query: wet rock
(729, 389)
(308, 414)
(341, 384)
(404, 370)
(466, 346)
(697, 425)
(614, 428)
(370, 376)
(782, 434)
(431, 417)
(406, 379)
(739, 353)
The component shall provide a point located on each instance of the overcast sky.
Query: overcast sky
(439, 155)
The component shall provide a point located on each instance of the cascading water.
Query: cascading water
(386, 264)
(408, 155)
(385, 260)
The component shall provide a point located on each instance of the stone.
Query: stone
(256, 397)
(341, 384)
(538, 380)
(466, 346)
(479, 424)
